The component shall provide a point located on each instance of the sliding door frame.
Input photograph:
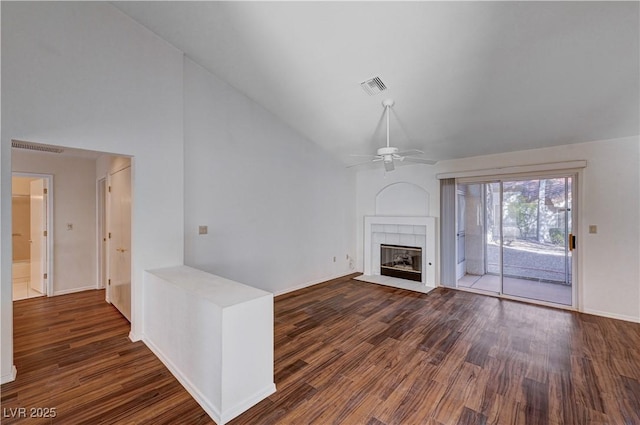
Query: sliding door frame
(575, 212)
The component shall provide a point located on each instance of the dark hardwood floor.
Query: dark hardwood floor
(73, 354)
(346, 352)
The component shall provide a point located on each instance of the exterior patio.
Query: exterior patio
(524, 288)
(532, 270)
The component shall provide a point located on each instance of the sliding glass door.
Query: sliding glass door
(480, 217)
(513, 238)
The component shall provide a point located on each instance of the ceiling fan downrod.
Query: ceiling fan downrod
(388, 103)
(387, 152)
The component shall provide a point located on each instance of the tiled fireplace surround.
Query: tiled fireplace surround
(407, 231)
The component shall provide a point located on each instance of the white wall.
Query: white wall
(82, 74)
(226, 360)
(370, 181)
(278, 208)
(74, 191)
(609, 271)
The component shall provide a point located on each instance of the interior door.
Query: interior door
(119, 282)
(38, 235)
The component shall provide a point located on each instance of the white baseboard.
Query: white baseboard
(313, 282)
(240, 408)
(611, 315)
(215, 414)
(9, 377)
(73, 290)
(208, 407)
(134, 337)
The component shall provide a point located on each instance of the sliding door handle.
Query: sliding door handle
(572, 241)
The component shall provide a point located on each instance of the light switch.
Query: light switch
(203, 230)
(593, 228)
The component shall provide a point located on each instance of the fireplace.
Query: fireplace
(404, 262)
(404, 232)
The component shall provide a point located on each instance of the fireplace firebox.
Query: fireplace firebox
(404, 262)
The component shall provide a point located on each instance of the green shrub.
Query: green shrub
(556, 235)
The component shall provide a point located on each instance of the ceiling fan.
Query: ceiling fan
(389, 154)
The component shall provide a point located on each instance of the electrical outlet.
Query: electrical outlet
(334, 259)
(593, 228)
(203, 230)
(69, 226)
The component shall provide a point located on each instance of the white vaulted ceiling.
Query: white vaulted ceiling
(468, 78)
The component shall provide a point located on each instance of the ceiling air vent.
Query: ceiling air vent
(35, 147)
(373, 86)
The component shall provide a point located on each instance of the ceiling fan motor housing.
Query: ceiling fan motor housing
(387, 151)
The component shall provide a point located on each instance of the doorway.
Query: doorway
(518, 238)
(118, 246)
(30, 202)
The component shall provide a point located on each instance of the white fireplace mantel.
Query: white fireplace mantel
(410, 231)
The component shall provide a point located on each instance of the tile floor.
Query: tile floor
(22, 291)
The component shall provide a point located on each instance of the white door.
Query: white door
(119, 223)
(38, 236)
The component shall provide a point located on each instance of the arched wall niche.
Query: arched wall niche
(402, 199)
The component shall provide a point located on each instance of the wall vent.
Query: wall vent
(373, 86)
(19, 144)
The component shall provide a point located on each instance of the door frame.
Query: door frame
(101, 232)
(48, 248)
(461, 215)
(576, 212)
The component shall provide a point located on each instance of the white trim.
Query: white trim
(211, 410)
(100, 223)
(577, 262)
(248, 403)
(311, 283)
(74, 290)
(611, 315)
(576, 219)
(206, 405)
(517, 169)
(133, 337)
(10, 377)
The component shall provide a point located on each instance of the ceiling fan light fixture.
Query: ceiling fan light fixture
(388, 166)
(387, 154)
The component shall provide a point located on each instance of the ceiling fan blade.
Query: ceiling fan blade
(410, 152)
(375, 159)
(388, 165)
(363, 156)
(420, 160)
